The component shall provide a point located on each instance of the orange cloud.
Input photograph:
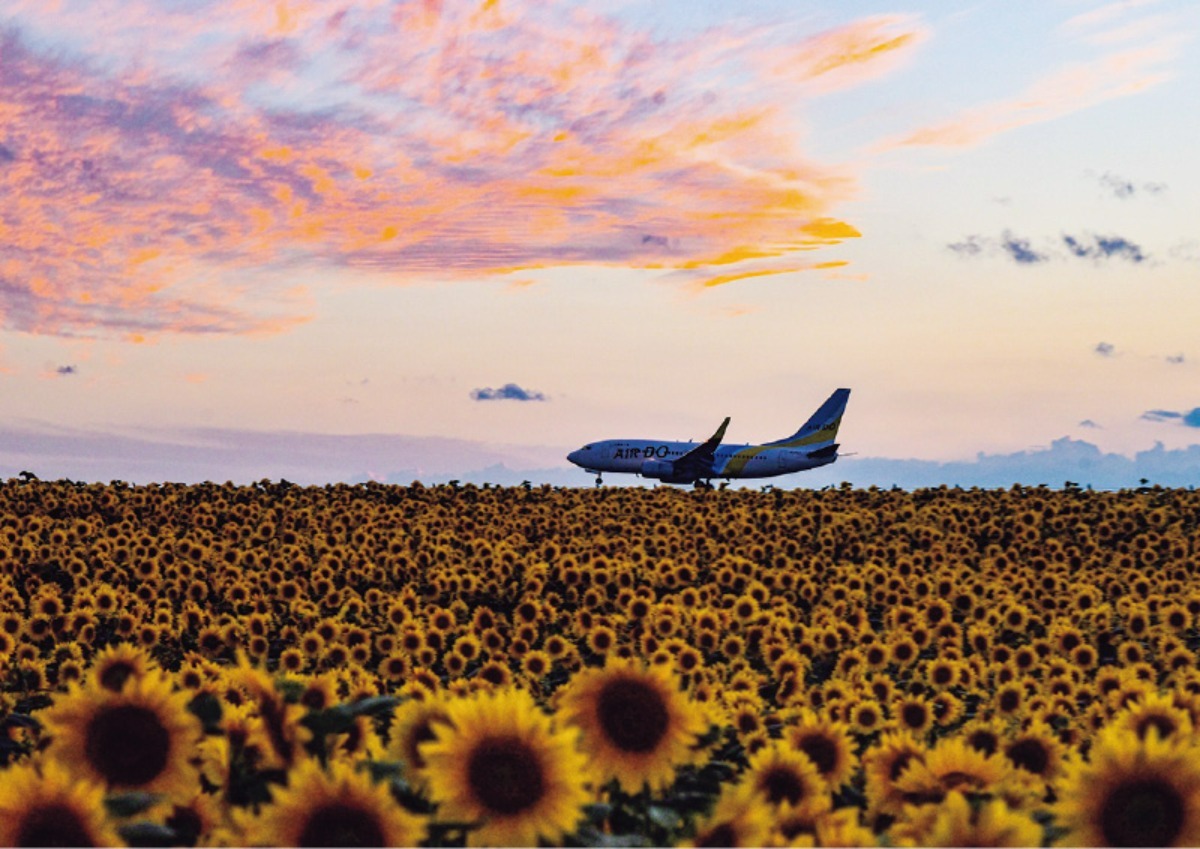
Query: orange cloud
(454, 141)
(848, 55)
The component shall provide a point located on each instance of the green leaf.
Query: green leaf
(148, 834)
(129, 804)
(290, 689)
(207, 708)
(374, 706)
(598, 812)
(589, 836)
(664, 817)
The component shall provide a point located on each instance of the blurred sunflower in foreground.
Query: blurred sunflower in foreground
(334, 807)
(1132, 792)
(637, 727)
(499, 762)
(141, 737)
(43, 805)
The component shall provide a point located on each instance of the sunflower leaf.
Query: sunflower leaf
(148, 834)
(374, 706)
(129, 804)
(207, 708)
(334, 720)
(589, 836)
(687, 800)
(598, 812)
(664, 817)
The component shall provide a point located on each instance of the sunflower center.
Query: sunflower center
(822, 751)
(1030, 755)
(983, 741)
(338, 824)
(1145, 812)
(53, 825)
(505, 775)
(1162, 724)
(633, 715)
(723, 835)
(914, 716)
(115, 675)
(782, 785)
(127, 745)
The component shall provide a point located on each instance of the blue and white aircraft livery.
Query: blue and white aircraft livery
(698, 463)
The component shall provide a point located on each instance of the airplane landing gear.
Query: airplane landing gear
(703, 484)
(599, 480)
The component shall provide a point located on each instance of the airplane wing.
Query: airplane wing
(699, 461)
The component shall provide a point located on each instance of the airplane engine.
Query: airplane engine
(661, 469)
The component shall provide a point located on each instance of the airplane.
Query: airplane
(698, 463)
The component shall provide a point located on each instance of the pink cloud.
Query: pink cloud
(1115, 74)
(141, 197)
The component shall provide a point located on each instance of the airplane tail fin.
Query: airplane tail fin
(822, 427)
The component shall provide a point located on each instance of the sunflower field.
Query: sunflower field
(370, 665)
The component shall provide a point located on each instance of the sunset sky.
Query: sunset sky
(319, 240)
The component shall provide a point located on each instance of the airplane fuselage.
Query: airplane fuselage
(729, 461)
(811, 446)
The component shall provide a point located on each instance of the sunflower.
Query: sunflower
(1036, 749)
(956, 822)
(43, 805)
(1133, 792)
(413, 725)
(913, 713)
(636, 725)
(783, 775)
(883, 764)
(865, 716)
(843, 827)
(204, 821)
(335, 808)
(1155, 712)
(137, 739)
(116, 664)
(984, 735)
(951, 765)
(500, 761)
(827, 743)
(739, 818)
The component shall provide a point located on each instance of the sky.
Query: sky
(379, 240)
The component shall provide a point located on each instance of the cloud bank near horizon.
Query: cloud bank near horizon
(241, 456)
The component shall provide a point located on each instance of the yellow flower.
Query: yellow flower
(1132, 792)
(783, 775)
(827, 744)
(500, 761)
(43, 805)
(883, 764)
(951, 765)
(955, 822)
(740, 818)
(336, 808)
(1155, 713)
(637, 727)
(140, 738)
(116, 664)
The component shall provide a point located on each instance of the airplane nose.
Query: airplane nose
(576, 456)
